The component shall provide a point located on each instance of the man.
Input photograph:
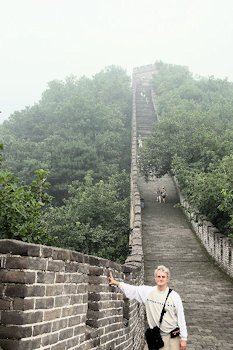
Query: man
(154, 298)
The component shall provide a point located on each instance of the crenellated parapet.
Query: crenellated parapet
(53, 298)
(217, 245)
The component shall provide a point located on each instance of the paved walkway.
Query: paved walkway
(206, 291)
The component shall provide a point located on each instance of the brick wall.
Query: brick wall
(217, 245)
(52, 298)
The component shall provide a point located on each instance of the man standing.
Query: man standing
(154, 299)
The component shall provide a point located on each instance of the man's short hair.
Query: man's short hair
(163, 269)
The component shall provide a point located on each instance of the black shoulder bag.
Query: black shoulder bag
(153, 336)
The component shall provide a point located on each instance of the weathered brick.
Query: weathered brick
(76, 256)
(46, 252)
(77, 320)
(65, 334)
(44, 303)
(59, 324)
(13, 247)
(72, 266)
(70, 288)
(61, 254)
(57, 266)
(93, 296)
(17, 277)
(23, 262)
(50, 339)
(82, 288)
(76, 299)
(60, 278)
(55, 289)
(41, 329)
(5, 304)
(15, 332)
(34, 250)
(20, 290)
(75, 278)
(98, 288)
(20, 318)
(74, 310)
(8, 344)
(23, 304)
(62, 300)
(84, 268)
(60, 346)
(2, 288)
(95, 270)
(97, 279)
(52, 314)
(45, 277)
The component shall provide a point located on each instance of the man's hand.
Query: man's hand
(183, 344)
(111, 280)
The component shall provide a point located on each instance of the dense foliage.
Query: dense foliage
(78, 126)
(194, 138)
(21, 207)
(94, 219)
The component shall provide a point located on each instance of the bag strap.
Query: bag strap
(163, 309)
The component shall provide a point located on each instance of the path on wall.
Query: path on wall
(206, 291)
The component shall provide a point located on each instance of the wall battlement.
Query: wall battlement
(54, 298)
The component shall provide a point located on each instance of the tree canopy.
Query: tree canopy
(77, 126)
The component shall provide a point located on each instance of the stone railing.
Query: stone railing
(135, 241)
(217, 245)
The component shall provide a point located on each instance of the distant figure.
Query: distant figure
(142, 93)
(158, 195)
(163, 194)
(139, 141)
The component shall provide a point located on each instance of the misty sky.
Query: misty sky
(43, 40)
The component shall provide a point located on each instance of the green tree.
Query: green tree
(95, 218)
(21, 208)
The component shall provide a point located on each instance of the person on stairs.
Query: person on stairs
(163, 194)
(173, 326)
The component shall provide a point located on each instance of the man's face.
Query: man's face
(161, 279)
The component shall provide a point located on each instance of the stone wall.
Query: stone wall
(57, 299)
(53, 298)
(217, 245)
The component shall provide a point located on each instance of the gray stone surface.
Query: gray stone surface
(206, 291)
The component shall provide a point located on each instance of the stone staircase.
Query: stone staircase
(207, 292)
(145, 111)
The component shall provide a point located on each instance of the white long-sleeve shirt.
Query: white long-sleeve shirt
(154, 301)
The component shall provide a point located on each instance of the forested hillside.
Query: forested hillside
(194, 139)
(79, 134)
